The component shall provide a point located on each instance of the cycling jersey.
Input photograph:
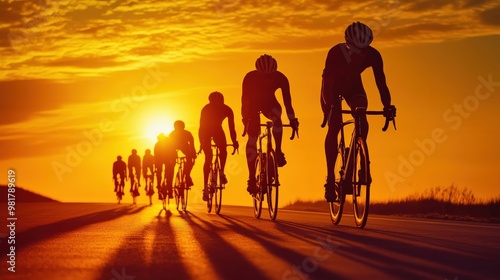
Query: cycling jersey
(212, 116)
(342, 74)
(259, 96)
(119, 167)
(134, 161)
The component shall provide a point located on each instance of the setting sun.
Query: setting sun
(154, 126)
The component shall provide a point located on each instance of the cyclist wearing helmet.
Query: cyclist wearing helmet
(259, 87)
(183, 140)
(212, 116)
(134, 168)
(119, 168)
(342, 76)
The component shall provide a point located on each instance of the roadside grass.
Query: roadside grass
(450, 203)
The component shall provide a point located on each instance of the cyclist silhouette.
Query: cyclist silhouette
(119, 168)
(134, 168)
(342, 76)
(259, 87)
(183, 140)
(148, 162)
(212, 116)
(164, 159)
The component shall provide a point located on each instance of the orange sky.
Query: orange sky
(84, 81)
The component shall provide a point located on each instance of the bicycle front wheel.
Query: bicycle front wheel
(272, 185)
(361, 184)
(212, 182)
(178, 192)
(260, 182)
(184, 197)
(218, 191)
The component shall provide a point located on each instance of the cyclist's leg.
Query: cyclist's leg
(360, 100)
(169, 175)
(221, 142)
(274, 114)
(253, 131)
(138, 173)
(331, 152)
(207, 151)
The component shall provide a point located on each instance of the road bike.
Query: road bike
(148, 178)
(215, 185)
(352, 167)
(180, 187)
(266, 172)
(134, 188)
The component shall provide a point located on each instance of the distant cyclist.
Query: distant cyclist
(183, 140)
(148, 163)
(212, 116)
(134, 169)
(259, 87)
(342, 76)
(164, 158)
(119, 168)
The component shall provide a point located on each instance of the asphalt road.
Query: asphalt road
(125, 242)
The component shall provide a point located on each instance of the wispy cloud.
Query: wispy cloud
(68, 38)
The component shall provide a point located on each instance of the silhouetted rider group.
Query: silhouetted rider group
(341, 77)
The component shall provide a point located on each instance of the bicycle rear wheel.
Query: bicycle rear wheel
(361, 184)
(218, 191)
(272, 185)
(337, 206)
(260, 182)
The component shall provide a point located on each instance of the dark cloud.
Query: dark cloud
(21, 100)
(427, 5)
(10, 12)
(491, 16)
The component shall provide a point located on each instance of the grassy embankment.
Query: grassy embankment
(440, 203)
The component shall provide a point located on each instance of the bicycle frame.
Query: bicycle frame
(269, 146)
(353, 177)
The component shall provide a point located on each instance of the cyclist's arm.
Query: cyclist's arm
(287, 98)
(327, 96)
(245, 98)
(378, 72)
(230, 121)
(192, 149)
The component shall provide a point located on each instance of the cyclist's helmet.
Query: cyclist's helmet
(161, 136)
(148, 151)
(216, 97)
(119, 157)
(179, 125)
(134, 151)
(358, 35)
(266, 64)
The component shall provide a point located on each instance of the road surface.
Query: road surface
(125, 242)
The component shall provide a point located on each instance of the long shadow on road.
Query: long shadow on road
(40, 233)
(282, 251)
(151, 253)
